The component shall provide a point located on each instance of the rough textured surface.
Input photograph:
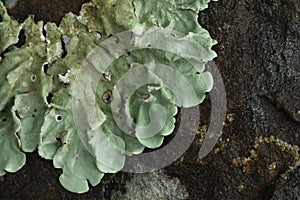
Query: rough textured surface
(258, 56)
(288, 187)
(155, 185)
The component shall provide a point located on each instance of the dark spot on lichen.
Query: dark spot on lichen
(127, 52)
(4, 119)
(105, 76)
(131, 34)
(33, 115)
(18, 134)
(65, 85)
(59, 137)
(117, 40)
(107, 97)
(27, 107)
(35, 110)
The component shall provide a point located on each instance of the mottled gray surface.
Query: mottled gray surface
(149, 186)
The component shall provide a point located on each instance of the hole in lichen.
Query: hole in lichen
(58, 118)
(35, 110)
(21, 42)
(18, 114)
(33, 77)
(49, 98)
(4, 119)
(107, 97)
(18, 134)
(33, 115)
(22, 38)
(127, 52)
(45, 68)
(44, 32)
(63, 46)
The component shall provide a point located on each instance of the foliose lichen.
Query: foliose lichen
(37, 82)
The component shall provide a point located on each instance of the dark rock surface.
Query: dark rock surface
(44, 10)
(256, 157)
(288, 188)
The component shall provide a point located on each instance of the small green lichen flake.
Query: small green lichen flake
(30, 85)
(38, 80)
(9, 29)
(11, 157)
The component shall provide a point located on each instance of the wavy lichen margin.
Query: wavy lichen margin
(37, 80)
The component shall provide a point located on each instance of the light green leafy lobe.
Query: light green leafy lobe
(38, 78)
